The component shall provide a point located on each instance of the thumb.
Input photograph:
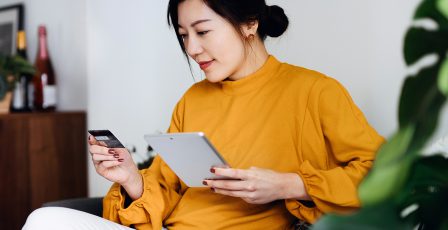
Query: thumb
(92, 141)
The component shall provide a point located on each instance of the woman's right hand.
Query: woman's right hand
(116, 165)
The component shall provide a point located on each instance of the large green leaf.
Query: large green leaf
(414, 89)
(420, 104)
(389, 171)
(443, 78)
(384, 182)
(442, 6)
(430, 9)
(419, 93)
(394, 150)
(378, 217)
(426, 187)
(420, 42)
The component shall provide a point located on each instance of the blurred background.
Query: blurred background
(120, 63)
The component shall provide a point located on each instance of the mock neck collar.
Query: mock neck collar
(252, 81)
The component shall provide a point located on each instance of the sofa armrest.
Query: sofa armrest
(93, 205)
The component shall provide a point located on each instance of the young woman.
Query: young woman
(295, 139)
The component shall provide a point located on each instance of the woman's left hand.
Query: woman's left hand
(258, 186)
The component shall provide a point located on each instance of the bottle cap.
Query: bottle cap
(42, 30)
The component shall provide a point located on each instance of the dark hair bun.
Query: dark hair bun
(276, 22)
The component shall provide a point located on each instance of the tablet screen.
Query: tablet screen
(189, 155)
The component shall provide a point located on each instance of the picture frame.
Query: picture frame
(11, 21)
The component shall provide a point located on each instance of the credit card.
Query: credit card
(106, 138)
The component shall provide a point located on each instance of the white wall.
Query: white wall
(122, 55)
(136, 72)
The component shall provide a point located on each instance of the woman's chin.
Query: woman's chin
(214, 79)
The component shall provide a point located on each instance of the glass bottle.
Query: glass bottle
(44, 80)
(21, 93)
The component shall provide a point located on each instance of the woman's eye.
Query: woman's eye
(203, 32)
(183, 36)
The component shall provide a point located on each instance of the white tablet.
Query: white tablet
(189, 155)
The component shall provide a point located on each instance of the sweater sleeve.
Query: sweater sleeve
(162, 190)
(350, 144)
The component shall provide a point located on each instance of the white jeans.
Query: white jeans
(64, 218)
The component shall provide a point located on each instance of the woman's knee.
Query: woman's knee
(65, 218)
(43, 218)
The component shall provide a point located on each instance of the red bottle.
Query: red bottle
(44, 81)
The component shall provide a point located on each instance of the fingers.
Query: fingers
(109, 164)
(93, 141)
(232, 173)
(102, 143)
(101, 157)
(97, 149)
(103, 167)
(103, 162)
(232, 185)
(240, 194)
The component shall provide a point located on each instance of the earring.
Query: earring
(250, 37)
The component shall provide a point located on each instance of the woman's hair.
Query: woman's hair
(272, 20)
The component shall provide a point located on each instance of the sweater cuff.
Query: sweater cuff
(304, 210)
(132, 214)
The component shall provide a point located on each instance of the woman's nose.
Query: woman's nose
(193, 46)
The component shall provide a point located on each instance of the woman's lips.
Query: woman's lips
(205, 64)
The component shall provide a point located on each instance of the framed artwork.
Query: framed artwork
(11, 21)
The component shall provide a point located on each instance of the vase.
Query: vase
(5, 103)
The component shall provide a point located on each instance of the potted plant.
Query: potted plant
(10, 69)
(405, 188)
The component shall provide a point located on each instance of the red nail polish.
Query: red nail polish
(213, 190)
(212, 170)
(204, 182)
(111, 151)
(116, 155)
(120, 160)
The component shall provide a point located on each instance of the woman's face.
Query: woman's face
(211, 41)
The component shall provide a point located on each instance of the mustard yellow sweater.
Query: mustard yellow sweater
(282, 117)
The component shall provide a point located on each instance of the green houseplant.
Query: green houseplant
(406, 190)
(10, 69)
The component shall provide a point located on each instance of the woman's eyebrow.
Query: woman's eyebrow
(196, 22)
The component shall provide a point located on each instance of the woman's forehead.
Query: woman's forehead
(191, 11)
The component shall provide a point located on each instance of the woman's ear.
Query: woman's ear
(250, 29)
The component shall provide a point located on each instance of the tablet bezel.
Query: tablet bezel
(189, 155)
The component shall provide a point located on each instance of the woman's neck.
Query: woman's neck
(256, 56)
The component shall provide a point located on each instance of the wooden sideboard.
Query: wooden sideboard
(43, 157)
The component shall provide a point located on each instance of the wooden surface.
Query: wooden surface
(43, 157)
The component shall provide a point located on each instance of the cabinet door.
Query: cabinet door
(14, 182)
(58, 157)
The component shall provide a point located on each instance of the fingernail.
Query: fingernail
(204, 182)
(88, 138)
(212, 170)
(111, 151)
(120, 160)
(116, 155)
(213, 190)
